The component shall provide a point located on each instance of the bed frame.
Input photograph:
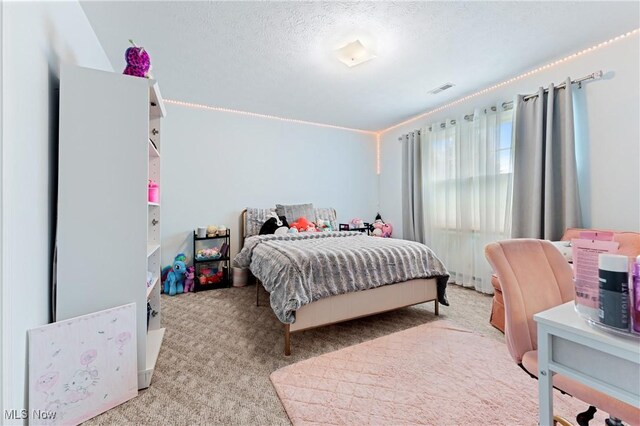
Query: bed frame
(345, 307)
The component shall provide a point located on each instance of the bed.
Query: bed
(317, 279)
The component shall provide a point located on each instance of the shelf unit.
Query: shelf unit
(108, 233)
(223, 262)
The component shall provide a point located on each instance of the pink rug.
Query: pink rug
(433, 374)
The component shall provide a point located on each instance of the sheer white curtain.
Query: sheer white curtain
(467, 172)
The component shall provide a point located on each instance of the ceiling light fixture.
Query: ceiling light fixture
(354, 53)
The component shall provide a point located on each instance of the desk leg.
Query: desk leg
(545, 377)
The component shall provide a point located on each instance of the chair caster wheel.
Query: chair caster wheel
(585, 417)
(561, 421)
(612, 421)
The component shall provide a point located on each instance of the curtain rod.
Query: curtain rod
(508, 105)
(593, 76)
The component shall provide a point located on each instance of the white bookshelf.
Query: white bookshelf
(108, 233)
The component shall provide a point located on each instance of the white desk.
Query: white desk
(568, 345)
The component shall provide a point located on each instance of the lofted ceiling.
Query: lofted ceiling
(276, 57)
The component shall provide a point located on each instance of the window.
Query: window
(466, 162)
(468, 170)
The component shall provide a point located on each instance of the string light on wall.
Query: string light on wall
(378, 153)
(266, 116)
(378, 134)
(511, 80)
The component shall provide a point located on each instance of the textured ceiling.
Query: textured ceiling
(276, 57)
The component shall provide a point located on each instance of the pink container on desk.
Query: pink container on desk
(154, 192)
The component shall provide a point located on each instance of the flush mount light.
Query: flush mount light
(354, 53)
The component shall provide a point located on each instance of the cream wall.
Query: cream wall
(36, 38)
(607, 130)
(215, 164)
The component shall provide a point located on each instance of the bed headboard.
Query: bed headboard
(243, 221)
(243, 224)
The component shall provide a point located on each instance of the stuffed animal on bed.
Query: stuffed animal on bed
(387, 230)
(274, 225)
(381, 229)
(324, 225)
(300, 225)
(377, 228)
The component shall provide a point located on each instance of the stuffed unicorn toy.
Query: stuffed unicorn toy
(189, 283)
(175, 278)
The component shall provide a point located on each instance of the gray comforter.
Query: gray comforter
(297, 269)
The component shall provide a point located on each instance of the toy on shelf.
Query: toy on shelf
(175, 276)
(189, 284)
(212, 231)
(211, 258)
(210, 276)
(138, 61)
(208, 253)
(377, 228)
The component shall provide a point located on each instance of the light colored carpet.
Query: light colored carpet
(433, 374)
(219, 350)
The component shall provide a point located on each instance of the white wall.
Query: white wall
(608, 135)
(37, 37)
(215, 164)
(4, 389)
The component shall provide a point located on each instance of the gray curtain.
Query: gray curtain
(545, 184)
(412, 213)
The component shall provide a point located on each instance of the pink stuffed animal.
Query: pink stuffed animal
(377, 228)
(357, 223)
(381, 229)
(189, 282)
(387, 230)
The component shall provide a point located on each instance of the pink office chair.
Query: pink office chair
(535, 277)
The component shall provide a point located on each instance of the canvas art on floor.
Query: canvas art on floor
(81, 367)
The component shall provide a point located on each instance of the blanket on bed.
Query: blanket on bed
(297, 269)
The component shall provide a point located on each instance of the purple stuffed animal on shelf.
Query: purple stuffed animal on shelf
(138, 61)
(189, 283)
